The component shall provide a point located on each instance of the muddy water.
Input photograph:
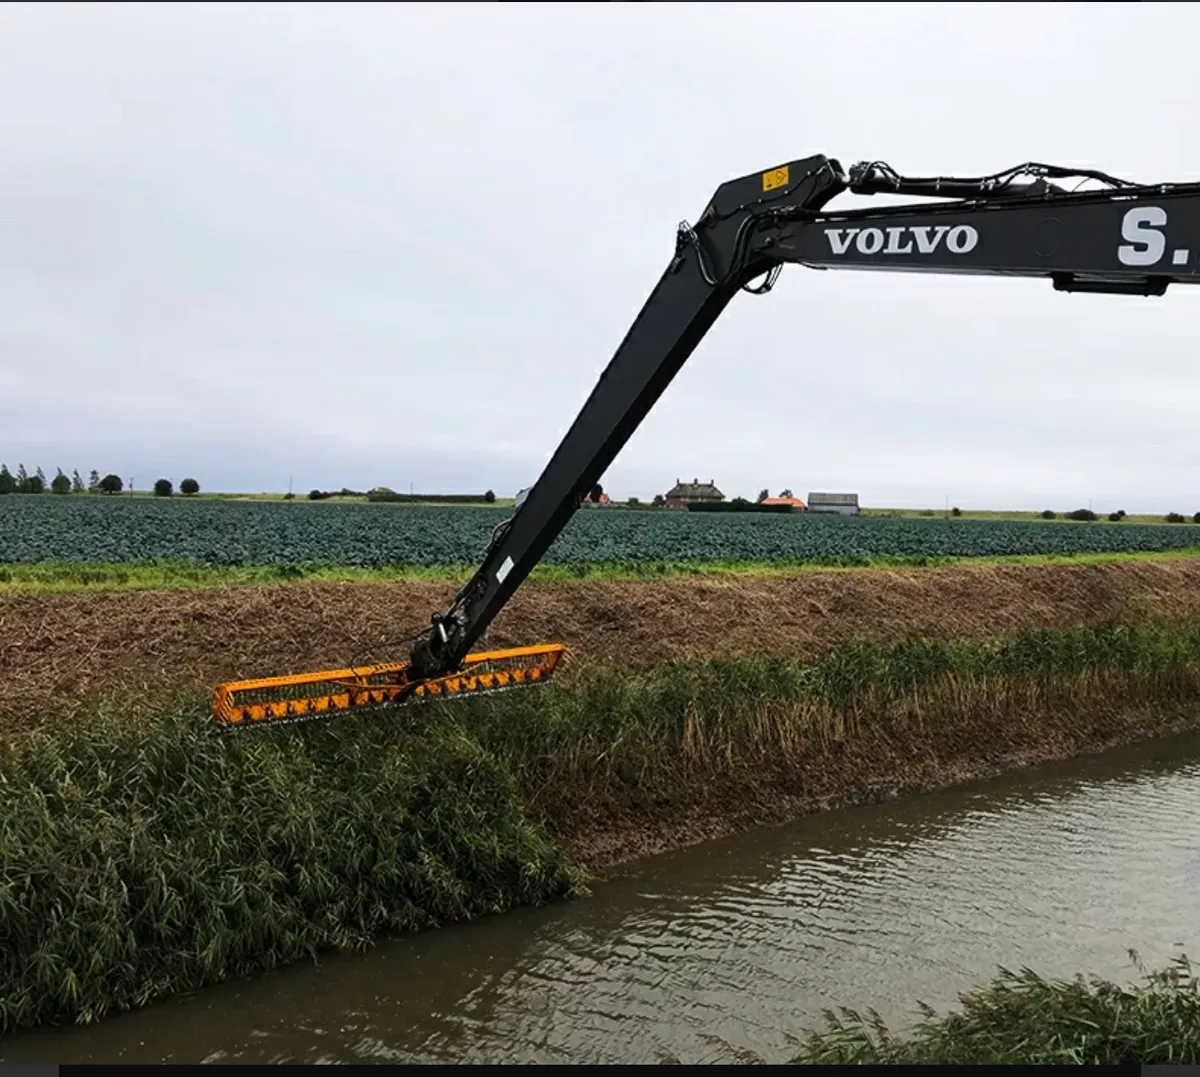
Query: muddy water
(738, 944)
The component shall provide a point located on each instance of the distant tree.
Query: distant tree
(315, 495)
(597, 493)
(190, 487)
(8, 485)
(1175, 518)
(633, 502)
(77, 486)
(1081, 514)
(956, 511)
(763, 495)
(93, 486)
(111, 484)
(659, 501)
(1121, 513)
(289, 496)
(489, 496)
(1116, 517)
(163, 488)
(42, 475)
(60, 484)
(1196, 517)
(785, 492)
(22, 479)
(1048, 514)
(37, 484)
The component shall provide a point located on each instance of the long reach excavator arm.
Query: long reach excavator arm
(1114, 237)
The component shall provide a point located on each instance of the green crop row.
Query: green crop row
(37, 530)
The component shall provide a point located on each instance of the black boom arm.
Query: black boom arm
(1120, 238)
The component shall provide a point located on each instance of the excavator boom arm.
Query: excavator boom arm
(1118, 237)
(1122, 238)
(1132, 244)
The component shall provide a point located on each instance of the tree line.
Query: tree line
(24, 483)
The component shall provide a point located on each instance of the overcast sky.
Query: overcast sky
(393, 244)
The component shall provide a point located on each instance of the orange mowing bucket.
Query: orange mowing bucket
(305, 696)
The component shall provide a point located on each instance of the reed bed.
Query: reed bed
(143, 858)
(1024, 1019)
(143, 854)
(661, 737)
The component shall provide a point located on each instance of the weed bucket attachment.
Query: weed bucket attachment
(306, 696)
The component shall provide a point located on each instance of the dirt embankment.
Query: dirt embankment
(60, 649)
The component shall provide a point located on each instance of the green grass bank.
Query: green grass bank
(143, 854)
(60, 577)
(1024, 1019)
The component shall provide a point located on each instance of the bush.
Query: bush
(489, 496)
(163, 488)
(1116, 517)
(289, 496)
(1196, 518)
(1175, 518)
(317, 495)
(1048, 514)
(60, 484)
(1081, 514)
(111, 484)
(956, 511)
(189, 487)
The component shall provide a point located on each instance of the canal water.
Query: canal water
(739, 944)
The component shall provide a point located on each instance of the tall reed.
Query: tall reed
(1024, 1019)
(143, 858)
(660, 736)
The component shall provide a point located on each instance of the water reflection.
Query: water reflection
(741, 942)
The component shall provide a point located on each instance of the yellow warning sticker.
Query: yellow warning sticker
(777, 177)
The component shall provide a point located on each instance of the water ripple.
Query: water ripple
(740, 944)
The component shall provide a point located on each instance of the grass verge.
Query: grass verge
(1023, 1019)
(144, 854)
(66, 577)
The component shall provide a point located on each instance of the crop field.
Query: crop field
(46, 529)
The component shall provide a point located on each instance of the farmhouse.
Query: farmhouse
(795, 502)
(684, 493)
(843, 504)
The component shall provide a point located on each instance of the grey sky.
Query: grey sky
(360, 245)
